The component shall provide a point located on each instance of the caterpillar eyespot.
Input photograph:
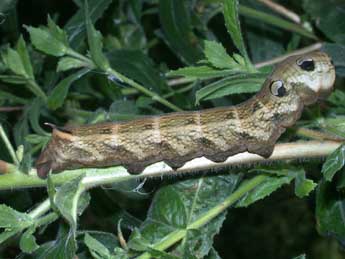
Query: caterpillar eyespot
(216, 134)
(306, 64)
(278, 89)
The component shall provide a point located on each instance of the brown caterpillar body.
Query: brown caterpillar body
(218, 133)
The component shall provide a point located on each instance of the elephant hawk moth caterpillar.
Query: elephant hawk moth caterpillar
(175, 138)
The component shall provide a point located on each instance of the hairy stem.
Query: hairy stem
(177, 235)
(99, 176)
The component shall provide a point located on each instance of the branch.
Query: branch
(100, 176)
(11, 108)
(279, 59)
(282, 10)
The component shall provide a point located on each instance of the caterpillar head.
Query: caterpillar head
(297, 81)
(310, 76)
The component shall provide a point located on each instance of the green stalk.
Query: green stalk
(8, 145)
(177, 235)
(142, 89)
(124, 79)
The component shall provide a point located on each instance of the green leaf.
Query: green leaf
(59, 93)
(303, 186)
(200, 72)
(14, 62)
(213, 254)
(27, 241)
(337, 98)
(334, 163)
(232, 23)
(96, 248)
(95, 38)
(139, 67)
(56, 32)
(75, 27)
(178, 34)
(330, 210)
(37, 139)
(8, 233)
(264, 41)
(18, 80)
(25, 58)
(241, 83)
(10, 97)
(21, 128)
(328, 17)
(162, 255)
(175, 207)
(7, 5)
(302, 256)
(219, 58)
(334, 125)
(51, 40)
(34, 113)
(275, 21)
(71, 200)
(263, 190)
(337, 53)
(123, 110)
(64, 246)
(67, 63)
(10, 218)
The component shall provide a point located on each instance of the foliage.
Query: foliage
(97, 60)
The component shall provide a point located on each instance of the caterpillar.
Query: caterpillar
(217, 133)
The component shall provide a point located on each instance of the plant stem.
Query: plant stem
(279, 59)
(177, 235)
(40, 209)
(8, 146)
(124, 79)
(11, 108)
(142, 89)
(100, 176)
(47, 219)
(282, 10)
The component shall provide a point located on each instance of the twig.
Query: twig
(11, 108)
(282, 10)
(276, 21)
(276, 60)
(100, 176)
(180, 81)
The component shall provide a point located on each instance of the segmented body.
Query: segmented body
(176, 138)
